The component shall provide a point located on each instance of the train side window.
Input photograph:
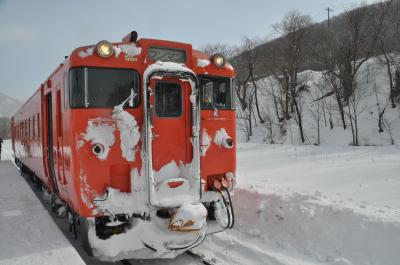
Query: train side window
(65, 91)
(94, 87)
(168, 99)
(33, 128)
(38, 126)
(29, 128)
(77, 87)
(233, 94)
(216, 92)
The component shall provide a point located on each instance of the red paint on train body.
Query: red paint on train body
(53, 133)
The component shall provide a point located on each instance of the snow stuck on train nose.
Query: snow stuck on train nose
(103, 134)
(222, 139)
(205, 142)
(129, 133)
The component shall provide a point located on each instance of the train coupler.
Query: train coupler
(189, 217)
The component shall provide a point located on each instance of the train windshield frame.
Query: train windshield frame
(216, 93)
(102, 87)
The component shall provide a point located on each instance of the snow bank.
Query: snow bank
(362, 176)
(301, 229)
(331, 205)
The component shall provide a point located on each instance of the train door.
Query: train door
(59, 145)
(50, 143)
(170, 120)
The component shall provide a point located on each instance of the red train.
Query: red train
(136, 140)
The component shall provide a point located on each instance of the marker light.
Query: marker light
(104, 49)
(218, 60)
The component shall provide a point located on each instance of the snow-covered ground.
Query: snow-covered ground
(28, 236)
(313, 205)
(308, 205)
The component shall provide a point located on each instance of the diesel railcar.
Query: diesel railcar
(136, 141)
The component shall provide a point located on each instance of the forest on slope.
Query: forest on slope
(342, 51)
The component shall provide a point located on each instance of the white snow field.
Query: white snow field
(27, 233)
(313, 205)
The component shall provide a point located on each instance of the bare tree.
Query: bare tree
(269, 124)
(226, 50)
(316, 106)
(250, 62)
(337, 92)
(294, 27)
(354, 109)
(388, 59)
(245, 115)
(349, 48)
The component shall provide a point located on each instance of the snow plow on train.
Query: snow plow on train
(136, 140)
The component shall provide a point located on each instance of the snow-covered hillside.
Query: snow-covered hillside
(8, 105)
(372, 95)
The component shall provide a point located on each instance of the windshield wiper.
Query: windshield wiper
(119, 108)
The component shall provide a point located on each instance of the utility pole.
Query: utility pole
(329, 10)
(329, 17)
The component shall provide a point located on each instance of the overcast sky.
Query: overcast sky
(35, 35)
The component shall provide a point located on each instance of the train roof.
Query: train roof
(136, 52)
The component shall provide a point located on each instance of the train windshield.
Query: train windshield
(92, 87)
(216, 92)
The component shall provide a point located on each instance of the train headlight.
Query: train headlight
(218, 60)
(104, 49)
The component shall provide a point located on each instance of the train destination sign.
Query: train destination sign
(167, 55)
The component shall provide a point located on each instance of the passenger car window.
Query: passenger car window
(168, 99)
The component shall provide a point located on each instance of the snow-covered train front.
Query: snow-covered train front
(137, 140)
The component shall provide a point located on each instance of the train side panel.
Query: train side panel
(28, 135)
